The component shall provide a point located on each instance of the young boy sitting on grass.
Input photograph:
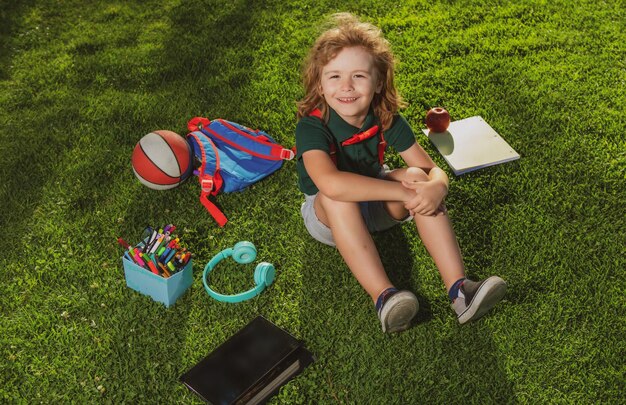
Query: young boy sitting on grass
(350, 106)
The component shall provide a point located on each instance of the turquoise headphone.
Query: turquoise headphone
(243, 253)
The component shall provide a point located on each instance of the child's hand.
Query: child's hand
(428, 199)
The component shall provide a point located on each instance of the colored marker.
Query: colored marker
(159, 251)
(164, 255)
(153, 268)
(166, 273)
(150, 241)
(186, 259)
(170, 256)
(156, 244)
(138, 259)
(129, 254)
(171, 266)
(183, 257)
(123, 243)
(173, 242)
(179, 262)
(151, 265)
(177, 257)
(163, 243)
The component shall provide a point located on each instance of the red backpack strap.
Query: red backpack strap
(382, 145)
(281, 152)
(215, 212)
(209, 184)
(276, 151)
(317, 113)
(197, 123)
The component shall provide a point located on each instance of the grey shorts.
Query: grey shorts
(374, 213)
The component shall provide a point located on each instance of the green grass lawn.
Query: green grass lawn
(82, 82)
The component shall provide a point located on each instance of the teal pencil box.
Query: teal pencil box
(164, 290)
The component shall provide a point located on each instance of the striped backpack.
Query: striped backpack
(231, 157)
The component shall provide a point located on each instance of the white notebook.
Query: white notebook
(471, 144)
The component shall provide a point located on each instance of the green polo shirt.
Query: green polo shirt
(361, 158)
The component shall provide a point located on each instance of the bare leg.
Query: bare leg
(354, 242)
(438, 236)
(435, 231)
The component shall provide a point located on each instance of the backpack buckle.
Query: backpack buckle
(287, 154)
(206, 185)
(197, 123)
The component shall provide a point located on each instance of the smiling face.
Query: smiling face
(348, 84)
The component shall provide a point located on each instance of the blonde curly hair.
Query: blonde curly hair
(346, 31)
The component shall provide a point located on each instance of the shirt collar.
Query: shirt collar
(342, 130)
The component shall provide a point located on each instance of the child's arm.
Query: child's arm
(430, 194)
(345, 186)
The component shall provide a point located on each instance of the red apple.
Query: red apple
(437, 119)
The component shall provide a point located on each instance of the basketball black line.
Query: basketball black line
(173, 153)
(155, 165)
(167, 186)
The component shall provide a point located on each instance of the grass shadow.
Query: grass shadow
(22, 177)
(9, 16)
(344, 333)
(72, 161)
(467, 364)
(397, 258)
(207, 49)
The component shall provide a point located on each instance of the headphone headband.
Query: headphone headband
(243, 253)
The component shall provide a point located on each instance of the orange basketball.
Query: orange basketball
(162, 159)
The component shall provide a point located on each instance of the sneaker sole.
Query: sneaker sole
(488, 295)
(403, 307)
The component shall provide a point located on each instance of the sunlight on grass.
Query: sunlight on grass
(81, 82)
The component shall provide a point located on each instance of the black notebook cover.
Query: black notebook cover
(250, 366)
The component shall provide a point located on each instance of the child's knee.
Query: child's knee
(414, 174)
(323, 199)
(409, 174)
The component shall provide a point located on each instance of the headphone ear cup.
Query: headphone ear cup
(264, 274)
(244, 252)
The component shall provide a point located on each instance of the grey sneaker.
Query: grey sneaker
(398, 311)
(476, 298)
